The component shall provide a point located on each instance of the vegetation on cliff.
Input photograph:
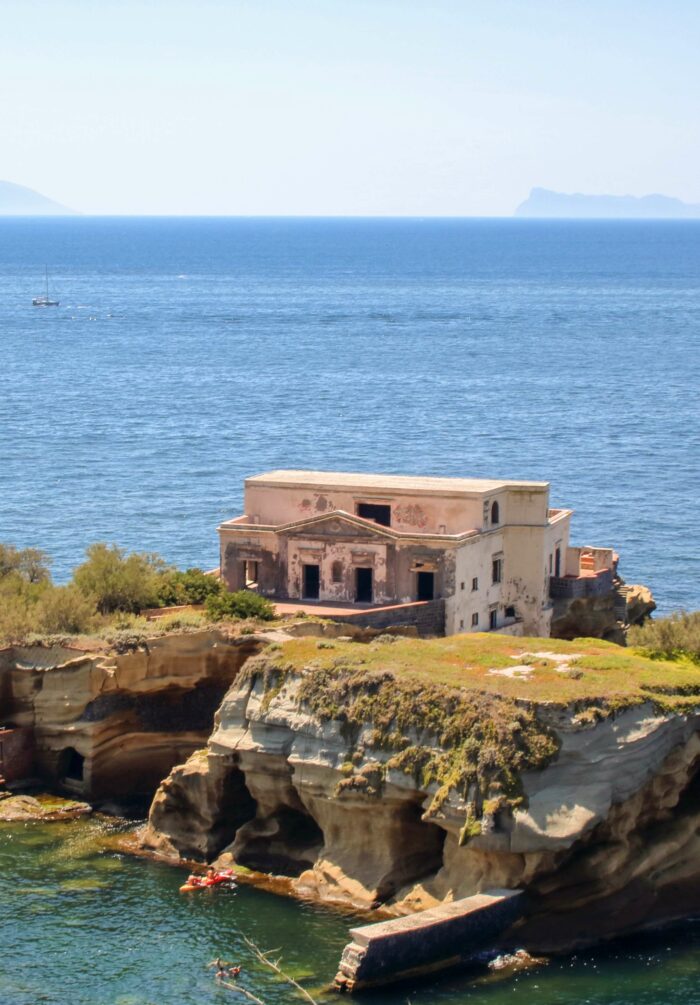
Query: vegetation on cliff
(674, 637)
(107, 593)
(465, 715)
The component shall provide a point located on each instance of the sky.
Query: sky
(347, 107)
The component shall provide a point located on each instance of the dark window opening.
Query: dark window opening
(337, 572)
(475, 584)
(461, 586)
(550, 565)
(557, 563)
(496, 570)
(375, 511)
(312, 582)
(363, 586)
(495, 513)
(71, 765)
(493, 620)
(426, 585)
(475, 620)
(510, 612)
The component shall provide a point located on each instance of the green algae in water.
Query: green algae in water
(80, 885)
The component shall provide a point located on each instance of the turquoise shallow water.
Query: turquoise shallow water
(189, 353)
(89, 928)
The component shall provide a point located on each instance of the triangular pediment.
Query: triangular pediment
(337, 524)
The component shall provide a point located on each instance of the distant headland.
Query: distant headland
(17, 200)
(543, 202)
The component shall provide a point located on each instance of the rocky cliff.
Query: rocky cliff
(109, 724)
(404, 773)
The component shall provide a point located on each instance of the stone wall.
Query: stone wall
(427, 616)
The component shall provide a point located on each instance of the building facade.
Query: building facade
(493, 551)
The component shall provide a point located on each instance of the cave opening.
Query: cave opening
(286, 844)
(71, 766)
(236, 808)
(420, 854)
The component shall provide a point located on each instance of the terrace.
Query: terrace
(588, 572)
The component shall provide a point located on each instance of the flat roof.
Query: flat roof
(391, 483)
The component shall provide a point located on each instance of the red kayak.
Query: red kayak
(206, 882)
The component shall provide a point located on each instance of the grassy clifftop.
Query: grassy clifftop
(585, 671)
(461, 714)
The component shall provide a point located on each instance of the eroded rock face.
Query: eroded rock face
(113, 725)
(614, 819)
(603, 617)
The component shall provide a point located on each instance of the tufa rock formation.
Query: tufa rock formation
(112, 725)
(372, 787)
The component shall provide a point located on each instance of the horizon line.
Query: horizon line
(343, 216)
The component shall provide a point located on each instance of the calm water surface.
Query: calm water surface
(188, 353)
(88, 928)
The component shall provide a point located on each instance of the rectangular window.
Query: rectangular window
(475, 620)
(475, 584)
(461, 625)
(461, 586)
(550, 565)
(493, 620)
(496, 570)
(374, 511)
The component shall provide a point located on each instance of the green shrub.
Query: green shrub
(116, 581)
(242, 604)
(667, 638)
(30, 564)
(189, 587)
(17, 617)
(65, 609)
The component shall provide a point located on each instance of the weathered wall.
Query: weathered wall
(16, 754)
(428, 617)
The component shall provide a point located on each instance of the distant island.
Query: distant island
(542, 202)
(17, 200)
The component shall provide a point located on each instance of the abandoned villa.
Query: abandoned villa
(468, 554)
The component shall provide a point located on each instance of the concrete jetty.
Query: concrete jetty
(429, 940)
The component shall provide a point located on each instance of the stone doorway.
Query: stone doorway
(311, 585)
(364, 586)
(425, 586)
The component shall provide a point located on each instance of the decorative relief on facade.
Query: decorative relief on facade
(411, 515)
(318, 503)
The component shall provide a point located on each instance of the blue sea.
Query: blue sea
(188, 353)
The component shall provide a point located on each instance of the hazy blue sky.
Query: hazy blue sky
(347, 106)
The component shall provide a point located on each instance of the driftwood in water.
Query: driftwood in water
(275, 966)
(241, 991)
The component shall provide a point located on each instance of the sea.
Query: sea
(189, 353)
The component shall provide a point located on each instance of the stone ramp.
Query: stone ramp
(426, 941)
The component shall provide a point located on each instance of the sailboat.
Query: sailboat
(45, 300)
